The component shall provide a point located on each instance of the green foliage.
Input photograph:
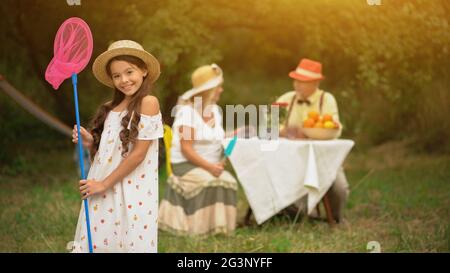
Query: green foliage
(380, 61)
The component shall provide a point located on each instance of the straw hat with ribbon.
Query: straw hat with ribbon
(204, 78)
(307, 70)
(124, 47)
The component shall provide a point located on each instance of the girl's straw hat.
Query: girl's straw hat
(124, 47)
(204, 78)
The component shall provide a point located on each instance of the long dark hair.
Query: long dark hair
(127, 136)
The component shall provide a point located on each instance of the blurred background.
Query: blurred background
(387, 65)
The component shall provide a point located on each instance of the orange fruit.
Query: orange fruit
(318, 125)
(308, 123)
(327, 117)
(314, 115)
(328, 124)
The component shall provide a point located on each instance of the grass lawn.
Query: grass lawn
(399, 199)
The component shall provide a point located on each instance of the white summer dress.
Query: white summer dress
(125, 218)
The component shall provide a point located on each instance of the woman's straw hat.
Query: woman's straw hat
(124, 47)
(204, 78)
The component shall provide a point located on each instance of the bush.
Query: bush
(385, 64)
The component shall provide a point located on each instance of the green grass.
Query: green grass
(399, 199)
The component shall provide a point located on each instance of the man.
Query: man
(305, 98)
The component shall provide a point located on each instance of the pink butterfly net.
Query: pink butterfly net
(72, 51)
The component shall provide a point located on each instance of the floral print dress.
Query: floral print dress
(125, 217)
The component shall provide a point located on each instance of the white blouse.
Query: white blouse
(207, 139)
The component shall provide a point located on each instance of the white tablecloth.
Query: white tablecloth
(274, 174)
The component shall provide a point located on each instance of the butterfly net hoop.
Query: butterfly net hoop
(72, 51)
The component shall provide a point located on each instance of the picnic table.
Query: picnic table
(276, 173)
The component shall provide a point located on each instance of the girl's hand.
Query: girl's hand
(91, 187)
(88, 139)
(216, 169)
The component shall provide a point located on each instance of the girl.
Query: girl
(200, 197)
(122, 184)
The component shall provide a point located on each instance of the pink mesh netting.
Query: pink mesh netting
(72, 51)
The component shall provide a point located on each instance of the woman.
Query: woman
(200, 195)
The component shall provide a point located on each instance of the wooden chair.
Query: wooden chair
(329, 213)
(326, 203)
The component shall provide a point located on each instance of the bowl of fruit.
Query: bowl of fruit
(320, 127)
